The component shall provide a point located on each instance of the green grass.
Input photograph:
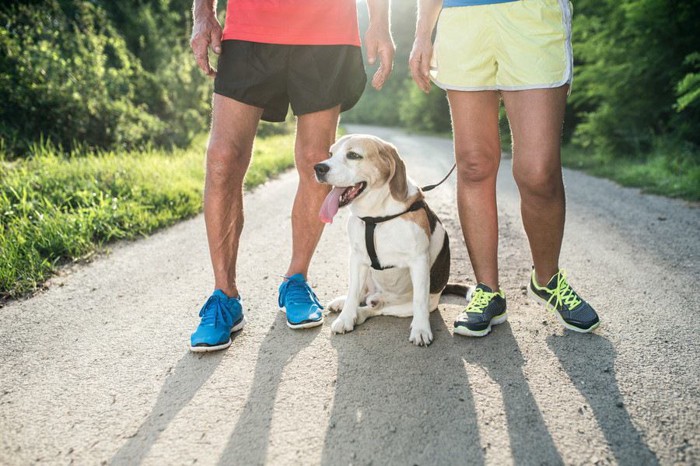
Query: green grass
(57, 208)
(667, 171)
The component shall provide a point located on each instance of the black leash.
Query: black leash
(433, 186)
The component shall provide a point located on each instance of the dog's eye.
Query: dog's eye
(330, 154)
(353, 155)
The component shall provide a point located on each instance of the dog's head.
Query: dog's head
(360, 164)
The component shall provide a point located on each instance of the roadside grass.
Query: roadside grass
(667, 171)
(57, 208)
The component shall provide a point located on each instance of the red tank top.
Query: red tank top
(293, 22)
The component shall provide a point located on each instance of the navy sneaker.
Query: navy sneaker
(573, 312)
(486, 308)
(300, 303)
(221, 316)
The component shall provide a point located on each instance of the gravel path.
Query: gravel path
(96, 369)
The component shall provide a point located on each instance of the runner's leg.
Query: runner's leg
(478, 155)
(228, 156)
(536, 117)
(316, 133)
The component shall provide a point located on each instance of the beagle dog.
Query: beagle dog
(399, 250)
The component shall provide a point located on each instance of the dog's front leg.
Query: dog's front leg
(358, 277)
(420, 325)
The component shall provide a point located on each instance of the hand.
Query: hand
(206, 33)
(378, 42)
(419, 62)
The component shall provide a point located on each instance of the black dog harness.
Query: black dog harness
(371, 224)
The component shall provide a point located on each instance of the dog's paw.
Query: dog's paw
(343, 324)
(375, 301)
(421, 335)
(337, 304)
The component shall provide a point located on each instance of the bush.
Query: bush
(67, 76)
(425, 112)
(56, 208)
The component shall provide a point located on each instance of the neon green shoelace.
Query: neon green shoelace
(563, 294)
(480, 299)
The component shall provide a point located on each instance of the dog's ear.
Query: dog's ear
(398, 187)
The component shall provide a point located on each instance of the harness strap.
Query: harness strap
(369, 242)
(371, 224)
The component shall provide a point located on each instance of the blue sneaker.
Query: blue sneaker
(300, 303)
(221, 316)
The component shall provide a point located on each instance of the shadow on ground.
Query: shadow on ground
(407, 405)
(500, 356)
(180, 386)
(589, 360)
(249, 440)
(400, 403)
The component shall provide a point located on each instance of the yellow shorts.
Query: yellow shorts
(525, 44)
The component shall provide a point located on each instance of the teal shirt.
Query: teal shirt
(451, 3)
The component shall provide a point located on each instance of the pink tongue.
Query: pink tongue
(331, 205)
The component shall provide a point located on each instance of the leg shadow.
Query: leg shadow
(396, 403)
(179, 388)
(250, 438)
(589, 361)
(500, 356)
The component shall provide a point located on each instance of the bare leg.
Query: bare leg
(478, 155)
(536, 118)
(315, 134)
(228, 156)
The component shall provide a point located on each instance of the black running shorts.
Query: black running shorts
(310, 78)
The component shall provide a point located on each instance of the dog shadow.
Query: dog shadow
(396, 403)
(181, 385)
(499, 355)
(249, 440)
(589, 362)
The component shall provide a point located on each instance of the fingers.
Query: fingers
(419, 78)
(216, 42)
(199, 48)
(371, 52)
(386, 64)
(419, 63)
(206, 34)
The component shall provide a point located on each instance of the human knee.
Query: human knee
(307, 157)
(476, 165)
(226, 164)
(542, 182)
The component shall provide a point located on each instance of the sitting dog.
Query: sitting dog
(399, 250)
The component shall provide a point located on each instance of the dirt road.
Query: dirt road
(96, 369)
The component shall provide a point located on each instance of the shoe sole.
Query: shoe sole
(499, 319)
(208, 349)
(311, 324)
(561, 320)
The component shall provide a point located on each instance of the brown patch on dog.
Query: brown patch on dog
(420, 217)
(398, 185)
(440, 271)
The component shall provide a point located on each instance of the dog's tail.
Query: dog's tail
(458, 289)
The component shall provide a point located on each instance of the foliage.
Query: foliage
(56, 208)
(670, 168)
(382, 107)
(636, 92)
(69, 76)
(633, 58)
(427, 112)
